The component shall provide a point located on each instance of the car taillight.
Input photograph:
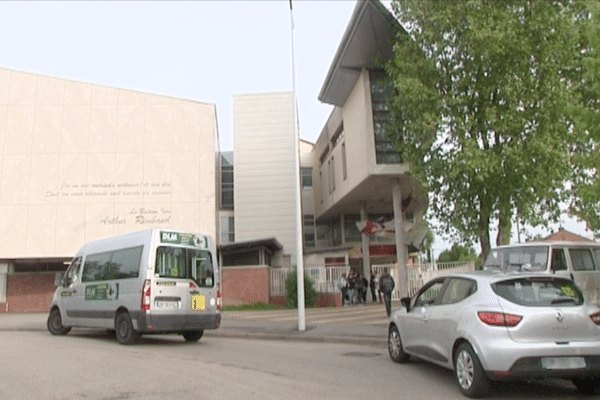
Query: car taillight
(499, 319)
(596, 318)
(146, 289)
(193, 286)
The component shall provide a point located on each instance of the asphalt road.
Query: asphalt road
(92, 365)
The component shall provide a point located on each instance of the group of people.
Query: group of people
(354, 288)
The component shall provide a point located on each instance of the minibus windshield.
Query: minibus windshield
(185, 263)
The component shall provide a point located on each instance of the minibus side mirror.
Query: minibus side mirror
(58, 278)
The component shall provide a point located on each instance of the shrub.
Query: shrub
(291, 291)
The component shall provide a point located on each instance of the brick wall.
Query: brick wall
(28, 293)
(245, 285)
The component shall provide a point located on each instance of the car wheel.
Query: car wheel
(395, 346)
(469, 372)
(55, 325)
(124, 329)
(587, 385)
(192, 336)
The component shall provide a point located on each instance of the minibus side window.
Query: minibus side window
(559, 262)
(582, 259)
(94, 266)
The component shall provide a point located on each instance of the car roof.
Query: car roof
(498, 275)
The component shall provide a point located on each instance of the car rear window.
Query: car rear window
(539, 292)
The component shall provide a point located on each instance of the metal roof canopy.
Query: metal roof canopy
(368, 38)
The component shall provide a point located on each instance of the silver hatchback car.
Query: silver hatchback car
(489, 326)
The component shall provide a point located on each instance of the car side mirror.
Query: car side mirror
(405, 301)
(58, 278)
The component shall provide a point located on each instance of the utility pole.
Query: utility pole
(299, 220)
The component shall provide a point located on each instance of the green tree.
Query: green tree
(585, 202)
(483, 90)
(459, 253)
(291, 291)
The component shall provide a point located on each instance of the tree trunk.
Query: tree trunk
(504, 227)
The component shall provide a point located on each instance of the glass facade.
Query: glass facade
(227, 181)
(381, 92)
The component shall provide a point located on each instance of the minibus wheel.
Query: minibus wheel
(55, 325)
(124, 329)
(192, 336)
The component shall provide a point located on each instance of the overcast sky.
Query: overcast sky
(205, 51)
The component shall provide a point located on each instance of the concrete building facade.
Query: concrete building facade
(80, 161)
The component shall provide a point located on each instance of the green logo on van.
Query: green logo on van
(102, 291)
(185, 239)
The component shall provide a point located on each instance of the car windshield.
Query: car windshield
(539, 292)
(518, 258)
(177, 262)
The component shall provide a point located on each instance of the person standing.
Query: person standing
(365, 289)
(343, 286)
(386, 286)
(372, 285)
(351, 286)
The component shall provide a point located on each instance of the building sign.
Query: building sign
(184, 239)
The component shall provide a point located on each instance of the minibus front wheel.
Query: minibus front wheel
(124, 329)
(54, 323)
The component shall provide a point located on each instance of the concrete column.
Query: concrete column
(364, 217)
(402, 283)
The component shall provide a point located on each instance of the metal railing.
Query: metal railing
(325, 278)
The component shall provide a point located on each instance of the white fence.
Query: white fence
(325, 278)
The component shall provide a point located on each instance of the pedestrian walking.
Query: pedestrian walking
(365, 289)
(343, 286)
(386, 286)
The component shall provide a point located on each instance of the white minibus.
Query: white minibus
(578, 261)
(153, 281)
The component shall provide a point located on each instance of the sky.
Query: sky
(206, 51)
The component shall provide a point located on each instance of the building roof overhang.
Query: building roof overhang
(368, 38)
(271, 244)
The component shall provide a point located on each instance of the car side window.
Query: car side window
(457, 290)
(429, 294)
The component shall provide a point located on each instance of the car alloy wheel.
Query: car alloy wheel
(395, 346)
(469, 372)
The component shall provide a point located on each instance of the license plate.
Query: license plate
(162, 304)
(198, 302)
(563, 362)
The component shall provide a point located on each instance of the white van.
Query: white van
(578, 261)
(153, 281)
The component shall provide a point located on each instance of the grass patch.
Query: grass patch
(252, 307)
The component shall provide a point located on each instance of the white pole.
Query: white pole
(299, 246)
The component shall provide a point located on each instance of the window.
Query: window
(227, 230)
(381, 91)
(582, 259)
(175, 262)
(306, 177)
(539, 292)
(227, 181)
(309, 231)
(72, 274)
(339, 132)
(323, 235)
(518, 258)
(429, 294)
(118, 264)
(457, 290)
(332, 175)
(351, 232)
(559, 261)
(344, 163)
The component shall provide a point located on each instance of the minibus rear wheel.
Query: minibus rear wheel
(124, 329)
(192, 336)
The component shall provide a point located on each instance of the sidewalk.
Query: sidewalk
(232, 327)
